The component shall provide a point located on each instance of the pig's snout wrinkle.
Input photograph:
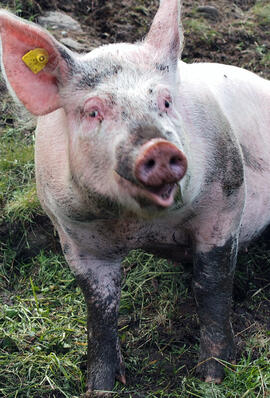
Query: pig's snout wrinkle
(160, 162)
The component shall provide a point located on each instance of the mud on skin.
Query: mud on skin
(104, 357)
(212, 286)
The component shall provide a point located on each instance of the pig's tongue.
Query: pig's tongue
(163, 195)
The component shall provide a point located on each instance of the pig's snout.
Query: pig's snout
(158, 163)
(158, 167)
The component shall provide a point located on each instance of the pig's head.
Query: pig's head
(124, 133)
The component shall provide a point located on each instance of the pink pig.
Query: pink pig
(136, 149)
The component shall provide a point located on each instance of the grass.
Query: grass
(202, 29)
(43, 335)
(38, 333)
(262, 12)
(17, 184)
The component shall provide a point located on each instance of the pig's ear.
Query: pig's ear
(34, 81)
(166, 35)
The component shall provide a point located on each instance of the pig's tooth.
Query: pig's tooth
(164, 190)
(163, 195)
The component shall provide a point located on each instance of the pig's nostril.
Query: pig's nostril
(174, 161)
(150, 164)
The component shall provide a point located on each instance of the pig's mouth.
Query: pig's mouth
(161, 195)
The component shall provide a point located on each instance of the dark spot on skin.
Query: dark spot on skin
(104, 207)
(68, 231)
(125, 161)
(97, 207)
(144, 132)
(74, 212)
(250, 160)
(66, 248)
(124, 115)
(163, 68)
(123, 173)
(150, 91)
(94, 75)
(113, 99)
(72, 67)
(169, 133)
(227, 164)
(225, 76)
(153, 106)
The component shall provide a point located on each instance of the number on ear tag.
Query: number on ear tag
(36, 59)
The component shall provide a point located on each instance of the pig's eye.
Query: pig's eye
(166, 104)
(94, 113)
(164, 101)
(94, 110)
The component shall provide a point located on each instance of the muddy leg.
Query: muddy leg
(212, 284)
(101, 288)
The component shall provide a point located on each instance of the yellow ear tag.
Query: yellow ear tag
(36, 59)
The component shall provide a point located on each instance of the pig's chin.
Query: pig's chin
(160, 196)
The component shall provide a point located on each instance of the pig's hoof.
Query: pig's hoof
(120, 373)
(213, 351)
(210, 379)
(211, 371)
(121, 378)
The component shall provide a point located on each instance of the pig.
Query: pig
(137, 149)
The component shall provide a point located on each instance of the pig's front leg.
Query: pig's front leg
(100, 282)
(212, 284)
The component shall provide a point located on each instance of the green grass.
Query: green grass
(42, 332)
(43, 335)
(201, 28)
(17, 185)
(262, 12)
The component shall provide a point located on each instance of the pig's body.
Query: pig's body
(139, 150)
(241, 95)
